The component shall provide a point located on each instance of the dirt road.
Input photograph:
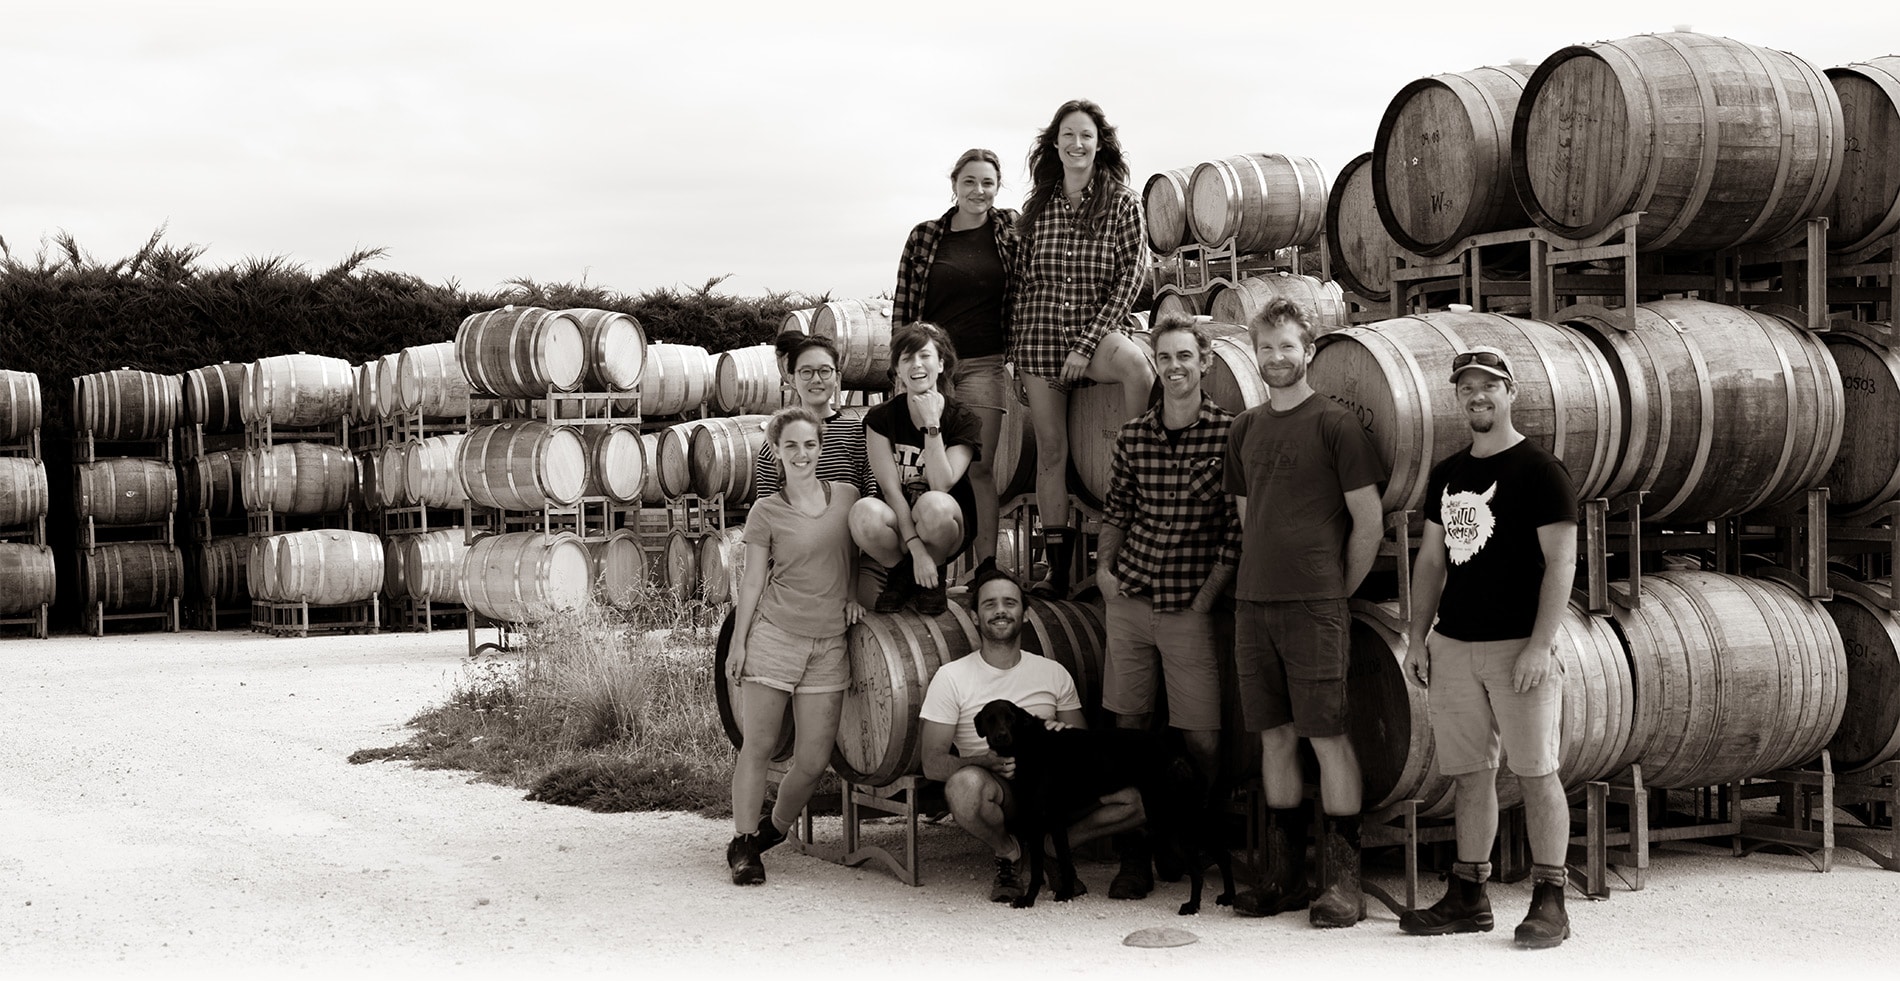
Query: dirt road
(182, 803)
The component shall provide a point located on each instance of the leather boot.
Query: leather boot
(1463, 909)
(1341, 903)
(1136, 878)
(1283, 885)
(1547, 925)
(1058, 546)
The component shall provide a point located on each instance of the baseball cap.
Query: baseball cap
(1485, 359)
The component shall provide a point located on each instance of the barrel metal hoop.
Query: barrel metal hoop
(1711, 147)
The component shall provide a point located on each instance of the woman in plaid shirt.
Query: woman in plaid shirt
(1080, 267)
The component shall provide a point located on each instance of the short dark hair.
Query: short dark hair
(792, 345)
(990, 575)
(1175, 320)
(912, 338)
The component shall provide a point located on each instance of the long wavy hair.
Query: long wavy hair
(1045, 169)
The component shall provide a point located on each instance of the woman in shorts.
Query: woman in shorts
(957, 272)
(788, 637)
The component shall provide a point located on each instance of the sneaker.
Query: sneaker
(1007, 887)
(931, 601)
(742, 856)
(899, 586)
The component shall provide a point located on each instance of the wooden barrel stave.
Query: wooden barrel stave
(623, 575)
(297, 478)
(1165, 206)
(522, 466)
(24, 496)
(28, 578)
(22, 405)
(433, 474)
(1263, 201)
(433, 564)
(526, 576)
(299, 390)
(747, 380)
(615, 349)
(213, 394)
(893, 657)
(721, 457)
(329, 567)
(125, 491)
(127, 404)
(674, 470)
(1361, 249)
(132, 577)
(616, 463)
(1441, 162)
(682, 566)
(430, 382)
(1866, 204)
(520, 352)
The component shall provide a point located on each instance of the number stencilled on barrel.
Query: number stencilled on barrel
(1860, 383)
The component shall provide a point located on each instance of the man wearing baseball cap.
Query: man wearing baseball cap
(1495, 567)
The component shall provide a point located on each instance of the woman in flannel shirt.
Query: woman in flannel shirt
(956, 272)
(1080, 266)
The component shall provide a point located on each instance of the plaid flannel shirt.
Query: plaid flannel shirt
(1170, 501)
(920, 250)
(1075, 287)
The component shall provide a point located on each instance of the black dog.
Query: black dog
(1063, 773)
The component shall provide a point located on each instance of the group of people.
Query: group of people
(1277, 507)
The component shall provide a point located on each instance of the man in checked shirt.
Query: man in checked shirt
(1169, 547)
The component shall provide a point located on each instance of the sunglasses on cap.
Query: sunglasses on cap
(1483, 359)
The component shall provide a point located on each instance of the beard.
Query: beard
(1483, 425)
(1011, 634)
(1293, 374)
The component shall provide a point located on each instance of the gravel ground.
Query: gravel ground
(182, 803)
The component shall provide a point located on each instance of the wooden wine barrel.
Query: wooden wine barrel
(1014, 468)
(367, 406)
(1866, 202)
(260, 569)
(1192, 304)
(392, 474)
(1164, 202)
(1233, 379)
(1734, 677)
(682, 567)
(894, 655)
(747, 380)
(862, 331)
(434, 474)
(1869, 732)
(1321, 300)
(615, 348)
(1866, 471)
(651, 493)
(299, 390)
(28, 579)
(213, 396)
(1726, 410)
(430, 383)
(523, 466)
(675, 457)
(395, 568)
(369, 494)
(329, 567)
(798, 321)
(722, 454)
(224, 570)
(616, 463)
(125, 491)
(521, 352)
(730, 698)
(132, 577)
(1361, 247)
(1095, 419)
(1263, 201)
(23, 492)
(1717, 142)
(21, 405)
(433, 562)
(389, 384)
(213, 484)
(297, 478)
(1441, 162)
(1394, 375)
(1392, 734)
(621, 579)
(721, 565)
(526, 576)
(127, 404)
(676, 379)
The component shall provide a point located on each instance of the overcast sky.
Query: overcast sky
(641, 145)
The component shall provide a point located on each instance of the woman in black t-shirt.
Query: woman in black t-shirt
(920, 445)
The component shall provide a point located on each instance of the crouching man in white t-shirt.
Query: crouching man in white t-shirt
(976, 781)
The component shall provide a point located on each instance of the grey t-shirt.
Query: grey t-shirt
(811, 568)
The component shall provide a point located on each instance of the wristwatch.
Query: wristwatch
(933, 430)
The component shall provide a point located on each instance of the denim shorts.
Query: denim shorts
(1291, 660)
(980, 383)
(801, 665)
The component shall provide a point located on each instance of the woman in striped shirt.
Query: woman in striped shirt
(1080, 268)
(810, 365)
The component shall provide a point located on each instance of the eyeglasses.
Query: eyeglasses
(1485, 359)
(823, 374)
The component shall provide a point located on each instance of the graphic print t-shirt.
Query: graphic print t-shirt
(1491, 508)
(891, 419)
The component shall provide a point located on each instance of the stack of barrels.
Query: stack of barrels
(211, 470)
(125, 496)
(27, 581)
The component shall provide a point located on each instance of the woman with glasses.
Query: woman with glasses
(956, 272)
(810, 365)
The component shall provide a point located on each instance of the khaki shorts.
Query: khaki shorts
(1181, 643)
(1290, 658)
(801, 665)
(1475, 713)
(980, 383)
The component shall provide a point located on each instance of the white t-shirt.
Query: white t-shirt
(961, 688)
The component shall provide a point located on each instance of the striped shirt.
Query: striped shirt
(1075, 287)
(843, 458)
(1168, 496)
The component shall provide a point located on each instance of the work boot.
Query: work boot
(1341, 904)
(1136, 878)
(1463, 909)
(1283, 885)
(768, 836)
(900, 584)
(1547, 925)
(1058, 545)
(932, 601)
(742, 857)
